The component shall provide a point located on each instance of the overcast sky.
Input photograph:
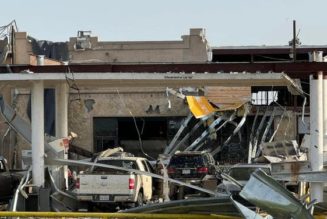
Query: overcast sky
(227, 22)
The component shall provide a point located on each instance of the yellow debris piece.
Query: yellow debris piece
(200, 106)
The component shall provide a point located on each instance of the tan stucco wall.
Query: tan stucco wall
(22, 48)
(192, 48)
(107, 103)
(111, 105)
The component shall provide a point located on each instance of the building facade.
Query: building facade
(141, 120)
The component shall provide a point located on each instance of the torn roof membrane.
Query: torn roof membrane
(200, 106)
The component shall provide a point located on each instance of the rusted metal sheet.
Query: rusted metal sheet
(297, 171)
(290, 167)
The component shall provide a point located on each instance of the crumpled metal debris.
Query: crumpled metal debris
(248, 213)
(267, 194)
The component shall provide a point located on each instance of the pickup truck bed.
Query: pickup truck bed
(100, 184)
(106, 188)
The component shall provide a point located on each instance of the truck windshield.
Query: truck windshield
(129, 164)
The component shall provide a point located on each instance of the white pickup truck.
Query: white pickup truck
(104, 185)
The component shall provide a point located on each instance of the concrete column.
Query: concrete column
(325, 118)
(62, 120)
(62, 110)
(37, 114)
(316, 133)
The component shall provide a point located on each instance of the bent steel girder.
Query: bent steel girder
(171, 145)
(236, 130)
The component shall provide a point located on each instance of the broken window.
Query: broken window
(264, 97)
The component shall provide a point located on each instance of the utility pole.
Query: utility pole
(294, 41)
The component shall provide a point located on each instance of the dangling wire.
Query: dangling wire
(169, 102)
(303, 109)
(136, 127)
(143, 126)
(72, 83)
(288, 124)
(3, 144)
(277, 128)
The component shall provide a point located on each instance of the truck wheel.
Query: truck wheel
(139, 200)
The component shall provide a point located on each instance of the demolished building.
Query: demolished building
(109, 89)
(101, 107)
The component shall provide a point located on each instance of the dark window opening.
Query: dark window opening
(259, 56)
(150, 128)
(105, 133)
(109, 132)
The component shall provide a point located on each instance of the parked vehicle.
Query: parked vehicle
(104, 185)
(193, 167)
(8, 181)
(241, 173)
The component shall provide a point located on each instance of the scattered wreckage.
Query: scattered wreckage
(9, 181)
(261, 191)
(241, 173)
(274, 200)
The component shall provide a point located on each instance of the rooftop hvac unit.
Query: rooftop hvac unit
(83, 40)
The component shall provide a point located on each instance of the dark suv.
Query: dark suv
(192, 165)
